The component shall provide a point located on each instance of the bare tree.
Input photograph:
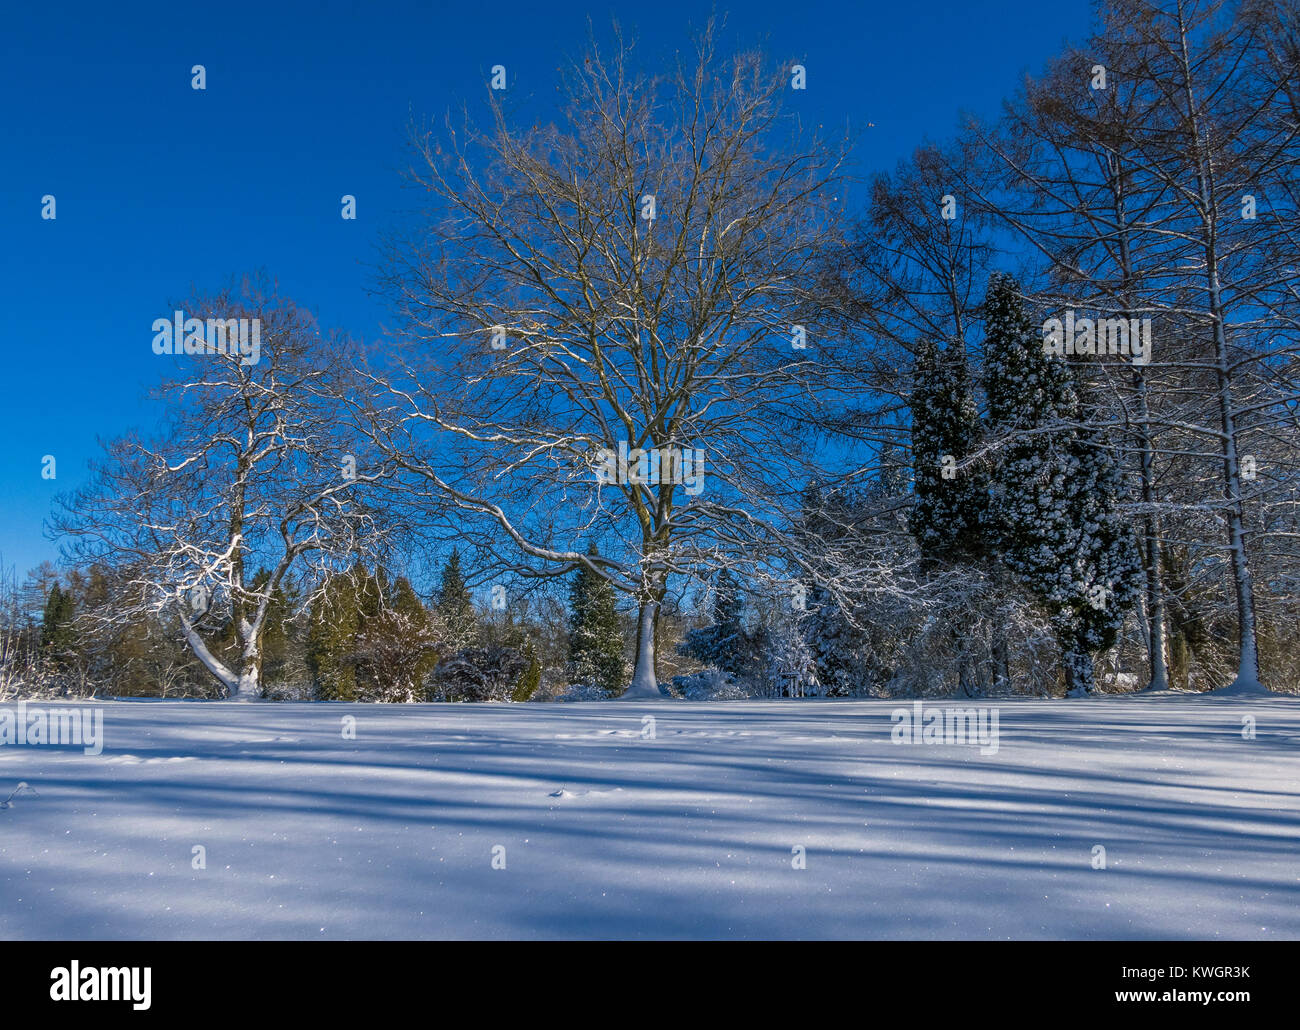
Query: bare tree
(614, 329)
(1133, 168)
(250, 468)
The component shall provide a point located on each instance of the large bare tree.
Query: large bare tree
(640, 278)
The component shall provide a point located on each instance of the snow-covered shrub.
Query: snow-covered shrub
(583, 692)
(710, 685)
(477, 674)
(786, 666)
(851, 648)
(978, 639)
(726, 644)
(27, 675)
(300, 691)
(1111, 682)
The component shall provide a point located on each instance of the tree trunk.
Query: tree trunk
(248, 688)
(250, 663)
(1079, 673)
(1151, 559)
(1244, 588)
(645, 684)
(210, 661)
(1247, 680)
(1001, 663)
(1154, 612)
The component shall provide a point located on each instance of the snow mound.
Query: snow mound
(1247, 687)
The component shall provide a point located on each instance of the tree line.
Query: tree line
(1018, 415)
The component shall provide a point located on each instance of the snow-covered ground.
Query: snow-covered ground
(608, 832)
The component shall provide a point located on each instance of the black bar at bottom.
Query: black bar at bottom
(337, 980)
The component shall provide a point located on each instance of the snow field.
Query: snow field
(584, 820)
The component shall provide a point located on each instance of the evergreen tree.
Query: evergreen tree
(58, 636)
(949, 515)
(531, 678)
(370, 639)
(405, 602)
(333, 623)
(455, 608)
(948, 518)
(395, 648)
(1108, 562)
(728, 605)
(595, 636)
(35, 592)
(1055, 499)
(372, 590)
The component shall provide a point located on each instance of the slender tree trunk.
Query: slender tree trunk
(1001, 663)
(1248, 652)
(1151, 559)
(1150, 551)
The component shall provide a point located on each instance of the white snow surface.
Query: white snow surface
(610, 834)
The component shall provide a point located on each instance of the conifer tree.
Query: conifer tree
(1055, 497)
(58, 637)
(405, 602)
(595, 636)
(455, 607)
(333, 623)
(395, 647)
(530, 679)
(950, 511)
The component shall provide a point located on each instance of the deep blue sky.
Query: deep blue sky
(160, 187)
